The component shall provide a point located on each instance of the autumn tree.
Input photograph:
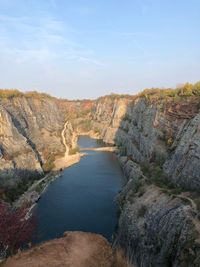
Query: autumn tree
(16, 228)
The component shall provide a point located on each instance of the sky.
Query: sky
(88, 48)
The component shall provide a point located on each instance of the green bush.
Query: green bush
(10, 93)
(185, 90)
(97, 130)
(12, 194)
(49, 164)
(73, 151)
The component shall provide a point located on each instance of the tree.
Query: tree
(196, 88)
(16, 228)
(186, 90)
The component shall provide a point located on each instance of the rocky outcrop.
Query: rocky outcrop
(75, 249)
(156, 227)
(183, 163)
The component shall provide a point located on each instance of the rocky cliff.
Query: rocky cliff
(159, 150)
(158, 140)
(30, 135)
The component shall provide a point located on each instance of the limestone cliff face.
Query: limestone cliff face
(157, 227)
(30, 135)
(108, 116)
(155, 131)
(159, 150)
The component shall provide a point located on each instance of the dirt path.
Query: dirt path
(67, 160)
(64, 140)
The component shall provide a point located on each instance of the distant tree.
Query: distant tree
(186, 90)
(196, 88)
(16, 228)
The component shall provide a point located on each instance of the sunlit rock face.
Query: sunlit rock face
(30, 135)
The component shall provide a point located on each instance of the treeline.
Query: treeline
(10, 93)
(187, 89)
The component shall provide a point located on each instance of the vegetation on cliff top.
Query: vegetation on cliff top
(5, 93)
(185, 90)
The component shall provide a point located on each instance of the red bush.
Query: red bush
(16, 228)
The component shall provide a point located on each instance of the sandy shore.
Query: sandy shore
(68, 161)
(106, 148)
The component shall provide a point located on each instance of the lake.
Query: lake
(83, 199)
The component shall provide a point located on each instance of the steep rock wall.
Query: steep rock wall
(159, 152)
(30, 135)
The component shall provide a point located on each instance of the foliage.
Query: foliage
(156, 176)
(49, 164)
(5, 93)
(73, 151)
(185, 90)
(13, 193)
(9, 93)
(16, 228)
(97, 130)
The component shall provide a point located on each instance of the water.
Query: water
(83, 198)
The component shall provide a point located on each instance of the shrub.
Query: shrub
(73, 151)
(49, 164)
(196, 88)
(16, 228)
(142, 211)
(97, 130)
(12, 194)
(186, 90)
(10, 93)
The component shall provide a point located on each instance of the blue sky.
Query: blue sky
(84, 49)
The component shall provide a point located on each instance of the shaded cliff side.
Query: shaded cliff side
(159, 150)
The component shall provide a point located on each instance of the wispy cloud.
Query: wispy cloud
(47, 39)
(89, 60)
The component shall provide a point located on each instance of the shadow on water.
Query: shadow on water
(83, 198)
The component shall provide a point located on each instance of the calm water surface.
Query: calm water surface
(83, 198)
